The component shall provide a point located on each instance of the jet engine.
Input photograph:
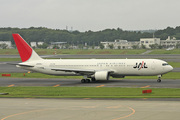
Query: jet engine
(102, 75)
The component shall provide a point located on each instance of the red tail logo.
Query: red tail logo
(24, 49)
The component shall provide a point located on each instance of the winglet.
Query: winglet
(25, 51)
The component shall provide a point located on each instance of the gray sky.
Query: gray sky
(92, 15)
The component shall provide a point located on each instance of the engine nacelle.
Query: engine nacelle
(102, 75)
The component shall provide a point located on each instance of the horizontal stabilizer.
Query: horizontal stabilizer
(23, 65)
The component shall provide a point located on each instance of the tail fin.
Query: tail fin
(25, 51)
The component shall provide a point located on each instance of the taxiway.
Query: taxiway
(89, 109)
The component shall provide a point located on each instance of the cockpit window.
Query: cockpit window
(164, 64)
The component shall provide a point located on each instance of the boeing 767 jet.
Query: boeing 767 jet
(94, 69)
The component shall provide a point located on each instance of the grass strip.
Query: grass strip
(87, 92)
(170, 75)
(9, 59)
(76, 51)
(164, 51)
(174, 64)
(92, 51)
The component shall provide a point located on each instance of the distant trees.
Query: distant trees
(67, 46)
(43, 46)
(135, 46)
(177, 46)
(143, 46)
(160, 46)
(155, 46)
(111, 46)
(55, 47)
(3, 46)
(42, 34)
(101, 46)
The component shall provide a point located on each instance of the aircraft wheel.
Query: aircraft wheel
(87, 81)
(83, 81)
(159, 80)
(93, 79)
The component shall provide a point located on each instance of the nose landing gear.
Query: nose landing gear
(159, 78)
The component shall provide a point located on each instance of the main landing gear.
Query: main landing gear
(159, 78)
(85, 81)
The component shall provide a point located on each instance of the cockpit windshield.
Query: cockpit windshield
(165, 64)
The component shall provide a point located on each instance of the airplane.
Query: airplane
(94, 69)
(170, 48)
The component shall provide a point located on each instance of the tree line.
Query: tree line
(37, 34)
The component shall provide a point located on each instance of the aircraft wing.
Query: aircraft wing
(73, 70)
(81, 71)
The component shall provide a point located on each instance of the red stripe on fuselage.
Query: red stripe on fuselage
(24, 49)
(142, 65)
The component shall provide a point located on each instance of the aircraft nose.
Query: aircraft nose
(170, 68)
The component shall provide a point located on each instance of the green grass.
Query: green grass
(75, 51)
(170, 75)
(174, 64)
(92, 51)
(87, 92)
(8, 51)
(164, 51)
(9, 59)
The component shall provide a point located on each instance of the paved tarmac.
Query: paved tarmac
(88, 109)
(136, 83)
(6, 68)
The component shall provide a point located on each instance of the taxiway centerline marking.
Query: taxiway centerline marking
(145, 86)
(133, 111)
(10, 85)
(100, 86)
(56, 85)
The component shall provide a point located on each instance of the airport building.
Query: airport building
(33, 44)
(59, 44)
(165, 43)
(120, 44)
(8, 43)
(149, 41)
(169, 42)
(40, 43)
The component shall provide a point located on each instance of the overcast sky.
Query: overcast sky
(92, 15)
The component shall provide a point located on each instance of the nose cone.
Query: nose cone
(170, 68)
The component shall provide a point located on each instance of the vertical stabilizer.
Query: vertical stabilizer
(25, 51)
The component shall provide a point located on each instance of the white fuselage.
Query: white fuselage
(121, 67)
